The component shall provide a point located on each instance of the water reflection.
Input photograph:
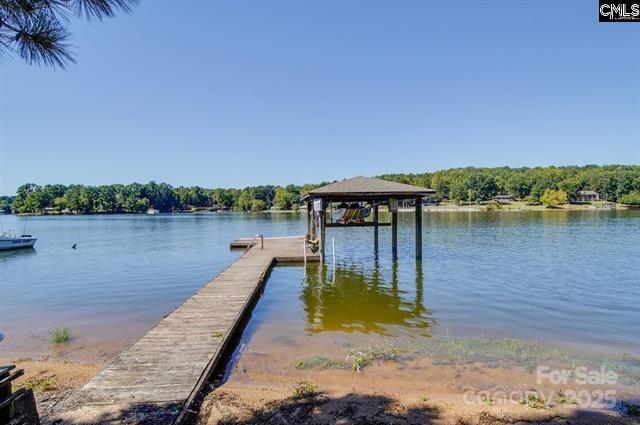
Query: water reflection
(355, 300)
(12, 253)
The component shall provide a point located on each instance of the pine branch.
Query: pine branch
(36, 30)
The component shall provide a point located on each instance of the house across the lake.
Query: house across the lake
(587, 196)
(503, 198)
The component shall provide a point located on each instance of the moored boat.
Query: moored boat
(9, 240)
(351, 214)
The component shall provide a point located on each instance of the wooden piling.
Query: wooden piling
(394, 235)
(419, 228)
(323, 218)
(375, 229)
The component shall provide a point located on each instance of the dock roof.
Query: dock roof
(367, 188)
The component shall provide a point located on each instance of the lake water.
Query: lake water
(566, 278)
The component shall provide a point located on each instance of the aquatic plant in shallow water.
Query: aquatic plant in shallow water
(320, 363)
(61, 335)
(361, 358)
(505, 353)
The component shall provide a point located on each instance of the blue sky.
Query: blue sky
(242, 93)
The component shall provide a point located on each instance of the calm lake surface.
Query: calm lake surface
(567, 278)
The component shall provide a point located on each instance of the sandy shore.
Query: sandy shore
(417, 393)
(272, 384)
(51, 380)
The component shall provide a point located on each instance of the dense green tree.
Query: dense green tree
(552, 198)
(571, 186)
(283, 199)
(264, 193)
(107, 199)
(518, 186)
(5, 203)
(258, 205)
(26, 199)
(162, 196)
(80, 199)
(481, 186)
(441, 184)
(132, 193)
(225, 198)
(458, 191)
(60, 203)
(632, 198)
(244, 201)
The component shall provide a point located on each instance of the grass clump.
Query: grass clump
(564, 398)
(304, 389)
(61, 335)
(39, 384)
(320, 363)
(361, 358)
(488, 400)
(533, 400)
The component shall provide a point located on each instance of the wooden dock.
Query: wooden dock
(171, 363)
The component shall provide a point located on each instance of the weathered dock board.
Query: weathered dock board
(172, 362)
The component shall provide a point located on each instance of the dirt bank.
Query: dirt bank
(52, 380)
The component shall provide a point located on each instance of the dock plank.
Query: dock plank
(171, 363)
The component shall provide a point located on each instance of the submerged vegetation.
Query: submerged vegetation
(61, 335)
(321, 363)
(561, 184)
(463, 351)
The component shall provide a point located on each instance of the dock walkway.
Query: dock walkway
(171, 363)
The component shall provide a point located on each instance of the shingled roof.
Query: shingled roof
(368, 188)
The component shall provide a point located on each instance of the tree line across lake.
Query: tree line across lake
(615, 183)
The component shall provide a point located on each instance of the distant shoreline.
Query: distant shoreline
(515, 206)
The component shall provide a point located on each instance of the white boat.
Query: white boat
(153, 211)
(9, 240)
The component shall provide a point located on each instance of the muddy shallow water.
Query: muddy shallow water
(505, 315)
(359, 333)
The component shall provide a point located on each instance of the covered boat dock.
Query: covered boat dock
(362, 193)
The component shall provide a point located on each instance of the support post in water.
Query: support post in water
(322, 216)
(333, 249)
(393, 208)
(419, 228)
(375, 229)
(304, 254)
